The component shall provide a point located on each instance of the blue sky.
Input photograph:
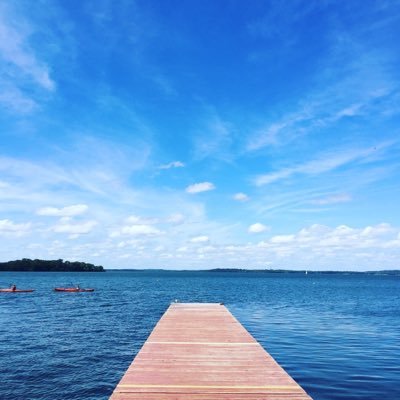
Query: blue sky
(188, 134)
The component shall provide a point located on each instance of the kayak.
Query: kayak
(16, 290)
(72, 290)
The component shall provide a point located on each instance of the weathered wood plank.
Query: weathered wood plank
(201, 352)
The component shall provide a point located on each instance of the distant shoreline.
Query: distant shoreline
(37, 265)
(395, 272)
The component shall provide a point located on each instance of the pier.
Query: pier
(199, 351)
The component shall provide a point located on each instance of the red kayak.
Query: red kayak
(16, 290)
(72, 290)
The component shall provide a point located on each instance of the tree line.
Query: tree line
(59, 265)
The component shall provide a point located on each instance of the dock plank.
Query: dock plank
(199, 351)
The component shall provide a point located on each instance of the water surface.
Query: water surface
(337, 335)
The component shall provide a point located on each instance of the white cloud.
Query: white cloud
(138, 220)
(138, 226)
(282, 239)
(173, 164)
(176, 219)
(313, 247)
(378, 230)
(240, 197)
(317, 237)
(200, 187)
(74, 228)
(69, 211)
(140, 230)
(257, 228)
(206, 249)
(10, 228)
(182, 249)
(341, 247)
(200, 239)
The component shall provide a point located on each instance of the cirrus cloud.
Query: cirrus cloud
(22, 65)
(333, 199)
(324, 163)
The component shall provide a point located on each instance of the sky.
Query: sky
(201, 134)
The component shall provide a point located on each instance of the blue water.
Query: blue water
(337, 335)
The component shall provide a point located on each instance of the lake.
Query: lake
(338, 336)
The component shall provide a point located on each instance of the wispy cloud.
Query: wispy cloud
(324, 110)
(324, 163)
(200, 239)
(13, 99)
(200, 187)
(138, 220)
(14, 49)
(280, 21)
(21, 65)
(77, 168)
(173, 164)
(332, 199)
(176, 218)
(68, 211)
(140, 230)
(215, 138)
(354, 81)
(241, 197)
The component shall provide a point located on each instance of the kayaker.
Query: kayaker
(13, 288)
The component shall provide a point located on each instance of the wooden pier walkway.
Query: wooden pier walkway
(201, 352)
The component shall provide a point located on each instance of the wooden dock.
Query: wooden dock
(201, 352)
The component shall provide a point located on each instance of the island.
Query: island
(28, 265)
